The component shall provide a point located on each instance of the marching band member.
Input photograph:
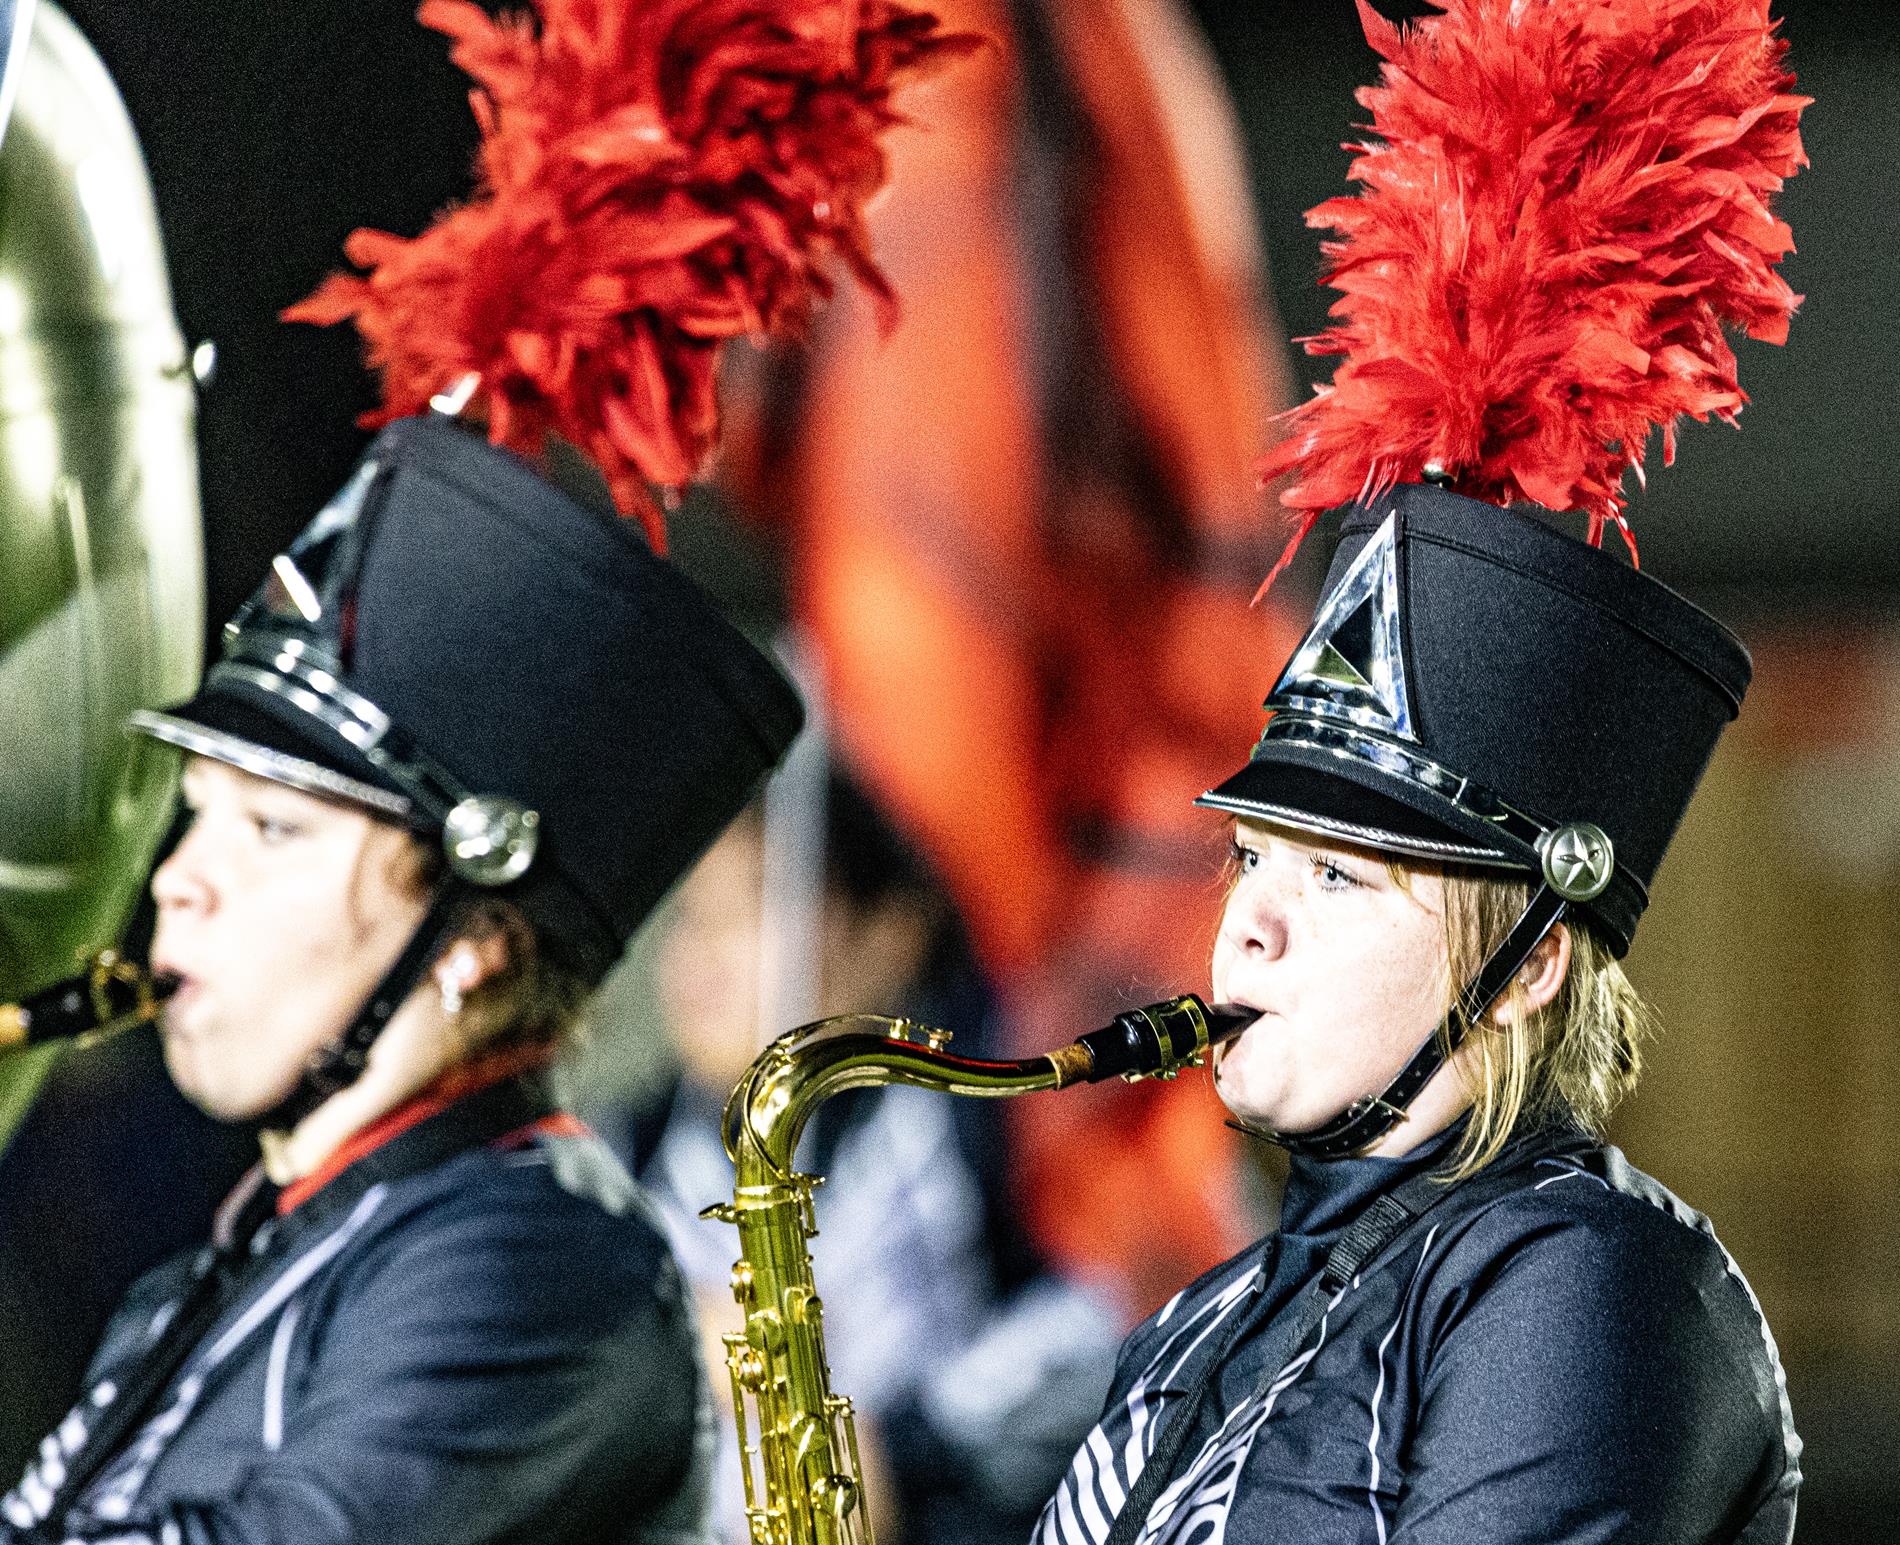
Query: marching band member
(459, 744)
(1475, 1321)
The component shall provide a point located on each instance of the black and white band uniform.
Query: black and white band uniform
(1554, 1348)
(462, 1322)
(1476, 1323)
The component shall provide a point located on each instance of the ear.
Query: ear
(470, 961)
(1538, 978)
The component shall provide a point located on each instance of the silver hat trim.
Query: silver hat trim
(1365, 836)
(265, 762)
(1412, 766)
(1346, 743)
(302, 676)
(489, 839)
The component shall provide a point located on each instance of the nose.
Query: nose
(1255, 921)
(181, 882)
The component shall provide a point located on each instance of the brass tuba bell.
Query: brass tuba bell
(101, 559)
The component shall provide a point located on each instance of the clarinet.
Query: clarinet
(109, 995)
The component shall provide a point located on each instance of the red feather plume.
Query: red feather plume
(655, 177)
(1569, 204)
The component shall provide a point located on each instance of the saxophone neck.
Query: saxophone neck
(798, 1072)
(803, 1068)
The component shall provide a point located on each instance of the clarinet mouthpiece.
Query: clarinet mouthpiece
(110, 994)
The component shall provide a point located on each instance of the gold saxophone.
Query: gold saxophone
(803, 1485)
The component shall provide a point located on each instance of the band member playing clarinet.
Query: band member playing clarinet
(459, 744)
(1475, 1322)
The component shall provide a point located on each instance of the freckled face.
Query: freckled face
(1349, 970)
(280, 912)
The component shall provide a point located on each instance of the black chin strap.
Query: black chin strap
(340, 1062)
(1366, 1121)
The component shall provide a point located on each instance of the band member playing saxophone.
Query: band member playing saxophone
(1475, 1322)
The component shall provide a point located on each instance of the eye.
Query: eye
(273, 830)
(1247, 859)
(1332, 875)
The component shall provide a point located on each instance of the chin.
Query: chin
(1249, 1084)
(1272, 1109)
(207, 1097)
(1245, 1105)
(235, 1111)
(202, 1086)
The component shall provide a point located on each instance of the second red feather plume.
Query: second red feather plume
(1567, 205)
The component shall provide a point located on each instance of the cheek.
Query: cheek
(1392, 992)
(1354, 1002)
(303, 940)
(308, 953)
(1218, 970)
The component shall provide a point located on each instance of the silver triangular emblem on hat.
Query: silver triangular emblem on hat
(1350, 665)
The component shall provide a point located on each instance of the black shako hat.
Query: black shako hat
(1479, 688)
(459, 645)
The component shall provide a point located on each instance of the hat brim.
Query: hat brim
(1310, 789)
(249, 736)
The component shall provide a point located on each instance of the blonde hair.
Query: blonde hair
(1575, 1057)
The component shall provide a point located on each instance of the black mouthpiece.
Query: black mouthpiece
(1161, 1038)
(85, 1002)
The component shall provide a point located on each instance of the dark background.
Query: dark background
(272, 131)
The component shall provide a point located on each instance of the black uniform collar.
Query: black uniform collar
(483, 1116)
(1323, 1195)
